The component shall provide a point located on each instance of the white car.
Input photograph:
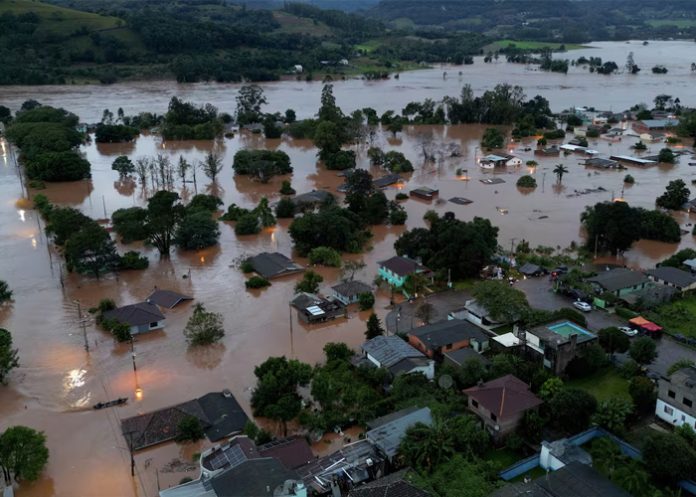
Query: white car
(628, 331)
(583, 306)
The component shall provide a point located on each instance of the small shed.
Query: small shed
(349, 292)
(141, 317)
(424, 193)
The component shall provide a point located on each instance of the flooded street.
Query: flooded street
(577, 88)
(59, 381)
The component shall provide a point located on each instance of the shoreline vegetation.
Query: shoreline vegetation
(76, 42)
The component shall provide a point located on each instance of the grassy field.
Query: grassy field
(603, 385)
(680, 23)
(677, 317)
(531, 45)
(369, 46)
(299, 25)
(60, 20)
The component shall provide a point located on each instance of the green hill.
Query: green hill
(59, 20)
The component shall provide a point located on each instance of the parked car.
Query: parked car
(583, 306)
(628, 331)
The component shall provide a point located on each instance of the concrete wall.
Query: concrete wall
(146, 327)
(671, 414)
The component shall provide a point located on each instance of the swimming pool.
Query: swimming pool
(568, 328)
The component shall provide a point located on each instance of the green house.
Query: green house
(620, 282)
(395, 270)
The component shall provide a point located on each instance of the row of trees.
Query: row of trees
(48, 141)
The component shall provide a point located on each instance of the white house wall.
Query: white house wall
(675, 417)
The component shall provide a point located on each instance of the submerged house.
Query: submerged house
(312, 308)
(493, 160)
(141, 317)
(273, 265)
(349, 292)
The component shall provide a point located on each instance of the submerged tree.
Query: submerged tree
(204, 327)
(5, 292)
(374, 327)
(23, 454)
(212, 165)
(163, 215)
(559, 171)
(8, 355)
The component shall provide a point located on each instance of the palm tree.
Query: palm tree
(559, 171)
(632, 478)
(606, 455)
(425, 447)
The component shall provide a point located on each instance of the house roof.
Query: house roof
(293, 452)
(673, 275)
(409, 364)
(313, 197)
(167, 298)
(393, 485)
(402, 266)
(551, 337)
(437, 335)
(461, 356)
(493, 158)
(389, 350)
(506, 396)
(219, 414)
(253, 478)
(389, 430)
(572, 480)
(618, 279)
(135, 314)
(690, 263)
(273, 264)
(352, 288)
(660, 123)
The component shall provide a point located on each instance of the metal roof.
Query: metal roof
(387, 436)
(389, 350)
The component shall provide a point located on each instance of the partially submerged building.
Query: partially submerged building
(396, 269)
(273, 265)
(141, 317)
(312, 308)
(349, 292)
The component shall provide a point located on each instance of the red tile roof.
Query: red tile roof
(505, 396)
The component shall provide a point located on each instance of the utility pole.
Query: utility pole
(292, 347)
(130, 451)
(104, 205)
(82, 323)
(512, 247)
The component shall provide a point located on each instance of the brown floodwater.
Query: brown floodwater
(58, 380)
(579, 87)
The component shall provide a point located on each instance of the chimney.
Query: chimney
(573, 342)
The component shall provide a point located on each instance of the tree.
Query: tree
(666, 156)
(197, 230)
(189, 429)
(204, 327)
(247, 224)
(286, 188)
(275, 395)
(325, 256)
(613, 340)
(629, 180)
(264, 213)
(680, 364)
(5, 292)
(395, 126)
(675, 196)
(212, 165)
(426, 447)
(502, 302)
(359, 189)
(309, 283)
(23, 454)
(350, 267)
(469, 438)
(526, 181)
(669, 458)
(163, 215)
(123, 165)
(571, 409)
(643, 350)
(8, 356)
(374, 327)
(182, 168)
(91, 250)
(366, 300)
(612, 414)
(337, 351)
(249, 103)
(129, 224)
(492, 138)
(550, 388)
(611, 226)
(559, 171)
(285, 208)
(642, 392)
(425, 312)
(334, 227)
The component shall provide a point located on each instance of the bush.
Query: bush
(492, 138)
(257, 282)
(669, 458)
(286, 188)
(397, 215)
(285, 208)
(262, 164)
(325, 256)
(247, 224)
(197, 230)
(666, 156)
(340, 161)
(189, 429)
(640, 146)
(5, 292)
(246, 266)
(642, 392)
(401, 196)
(526, 181)
(234, 212)
(629, 180)
(625, 313)
(366, 300)
(133, 260)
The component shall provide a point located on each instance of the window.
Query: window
(669, 410)
(494, 417)
(474, 403)
(687, 402)
(154, 325)
(671, 394)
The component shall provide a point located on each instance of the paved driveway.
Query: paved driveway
(540, 296)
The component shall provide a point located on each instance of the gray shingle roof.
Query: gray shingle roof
(135, 314)
(618, 279)
(673, 275)
(393, 485)
(167, 298)
(403, 266)
(314, 197)
(461, 356)
(437, 335)
(253, 478)
(572, 480)
(271, 265)
(389, 350)
(387, 435)
(351, 288)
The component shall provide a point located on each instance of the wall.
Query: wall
(677, 418)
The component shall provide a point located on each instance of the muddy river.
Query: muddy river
(59, 380)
